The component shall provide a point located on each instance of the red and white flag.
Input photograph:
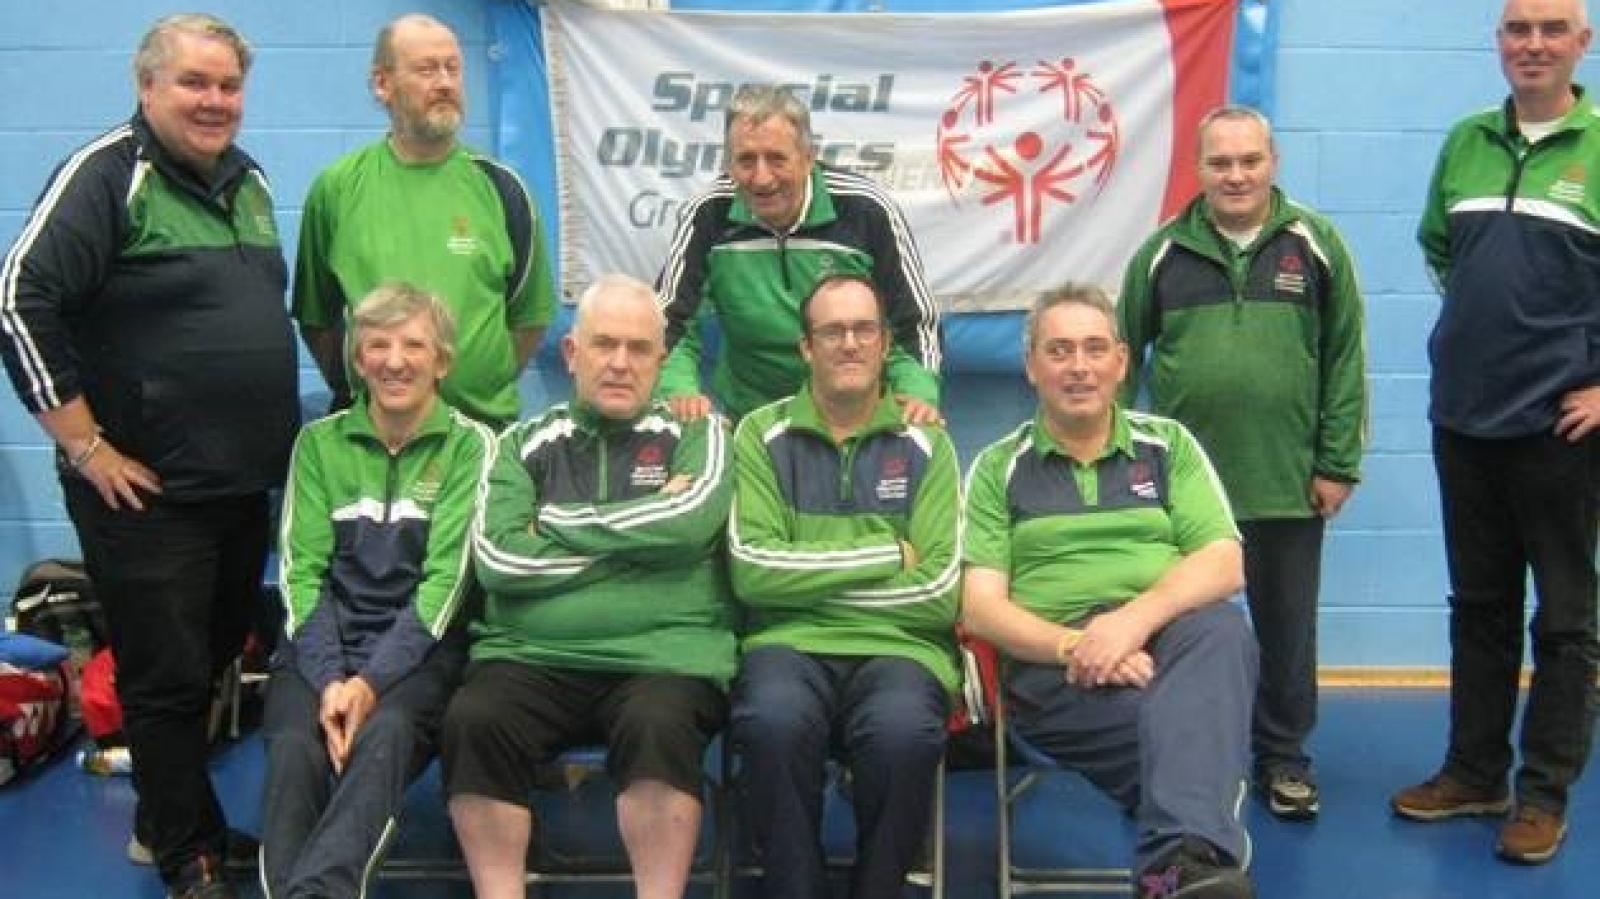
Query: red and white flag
(1026, 148)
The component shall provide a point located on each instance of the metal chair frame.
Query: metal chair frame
(1018, 880)
(930, 876)
(576, 765)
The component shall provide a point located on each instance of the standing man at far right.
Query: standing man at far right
(1249, 304)
(1512, 235)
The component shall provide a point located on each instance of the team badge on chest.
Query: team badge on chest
(892, 480)
(649, 467)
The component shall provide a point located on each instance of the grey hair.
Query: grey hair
(155, 48)
(394, 302)
(755, 103)
(618, 286)
(1069, 294)
(1233, 112)
(383, 47)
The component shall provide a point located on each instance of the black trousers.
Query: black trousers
(1283, 575)
(1511, 506)
(180, 583)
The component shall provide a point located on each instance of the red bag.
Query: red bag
(102, 712)
(33, 716)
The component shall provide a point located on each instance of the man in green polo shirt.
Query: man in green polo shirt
(417, 206)
(1100, 551)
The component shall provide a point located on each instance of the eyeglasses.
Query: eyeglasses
(834, 333)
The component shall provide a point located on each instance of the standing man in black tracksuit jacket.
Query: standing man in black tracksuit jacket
(144, 326)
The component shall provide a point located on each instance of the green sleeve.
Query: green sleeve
(513, 557)
(906, 375)
(927, 595)
(1342, 419)
(317, 300)
(661, 527)
(1434, 231)
(987, 543)
(534, 306)
(445, 576)
(306, 536)
(1136, 319)
(680, 374)
(1196, 500)
(770, 568)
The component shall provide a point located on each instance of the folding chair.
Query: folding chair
(929, 875)
(551, 861)
(1014, 879)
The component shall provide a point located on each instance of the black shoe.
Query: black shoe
(201, 879)
(240, 856)
(1193, 870)
(1292, 796)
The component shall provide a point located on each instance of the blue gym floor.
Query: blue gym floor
(62, 831)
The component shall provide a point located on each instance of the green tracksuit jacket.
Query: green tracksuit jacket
(1260, 352)
(589, 563)
(816, 531)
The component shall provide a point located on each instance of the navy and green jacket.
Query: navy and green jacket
(753, 280)
(592, 556)
(1260, 351)
(1511, 234)
(816, 530)
(156, 294)
(374, 553)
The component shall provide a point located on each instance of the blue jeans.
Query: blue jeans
(884, 716)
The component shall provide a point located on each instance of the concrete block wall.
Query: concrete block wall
(1365, 89)
(1365, 92)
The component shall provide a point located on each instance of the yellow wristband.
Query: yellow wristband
(1068, 642)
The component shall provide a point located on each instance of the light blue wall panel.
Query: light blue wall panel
(24, 542)
(29, 490)
(1407, 638)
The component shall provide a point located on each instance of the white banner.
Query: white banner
(1026, 148)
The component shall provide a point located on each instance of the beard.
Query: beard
(438, 122)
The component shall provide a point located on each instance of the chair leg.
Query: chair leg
(937, 875)
(1002, 803)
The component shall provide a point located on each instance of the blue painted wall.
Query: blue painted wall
(1365, 89)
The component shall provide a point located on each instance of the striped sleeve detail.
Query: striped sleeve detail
(848, 184)
(511, 563)
(672, 273)
(788, 560)
(463, 582)
(40, 391)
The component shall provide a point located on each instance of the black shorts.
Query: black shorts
(509, 717)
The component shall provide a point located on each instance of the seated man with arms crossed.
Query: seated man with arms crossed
(599, 542)
(844, 543)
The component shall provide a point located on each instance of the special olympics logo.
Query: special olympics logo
(987, 146)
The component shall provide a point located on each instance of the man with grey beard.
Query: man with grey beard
(418, 206)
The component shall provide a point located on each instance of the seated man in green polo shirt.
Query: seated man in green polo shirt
(1100, 551)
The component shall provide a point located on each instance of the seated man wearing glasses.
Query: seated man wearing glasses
(844, 547)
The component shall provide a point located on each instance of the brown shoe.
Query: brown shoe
(1442, 796)
(1531, 836)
